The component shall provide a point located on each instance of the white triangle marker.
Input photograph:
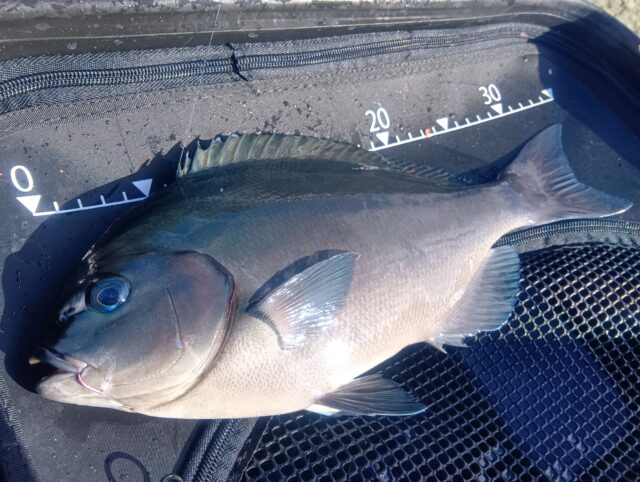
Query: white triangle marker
(384, 137)
(443, 122)
(30, 202)
(548, 92)
(497, 108)
(144, 185)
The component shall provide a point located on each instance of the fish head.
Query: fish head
(139, 331)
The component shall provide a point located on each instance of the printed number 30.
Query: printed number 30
(490, 93)
(379, 119)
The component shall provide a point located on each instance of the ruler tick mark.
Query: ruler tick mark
(443, 122)
(32, 202)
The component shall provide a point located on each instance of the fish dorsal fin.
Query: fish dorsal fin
(304, 297)
(488, 300)
(368, 395)
(255, 147)
(434, 175)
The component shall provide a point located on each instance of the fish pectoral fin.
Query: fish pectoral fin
(300, 304)
(368, 395)
(488, 300)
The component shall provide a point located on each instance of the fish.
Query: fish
(279, 271)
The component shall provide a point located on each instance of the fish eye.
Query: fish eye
(108, 294)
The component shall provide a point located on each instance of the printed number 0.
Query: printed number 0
(19, 183)
(490, 93)
(379, 119)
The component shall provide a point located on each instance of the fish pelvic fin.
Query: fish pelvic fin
(542, 175)
(487, 302)
(368, 395)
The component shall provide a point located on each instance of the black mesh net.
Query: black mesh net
(554, 395)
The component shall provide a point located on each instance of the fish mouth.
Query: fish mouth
(65, 366)
(61, 362)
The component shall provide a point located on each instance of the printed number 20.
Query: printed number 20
(379, 119)
(490, 93)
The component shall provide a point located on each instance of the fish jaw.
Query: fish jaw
(71, 387)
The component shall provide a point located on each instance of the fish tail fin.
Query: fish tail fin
(542, 175)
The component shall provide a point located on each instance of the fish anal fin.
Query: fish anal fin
(306, 302)
(487, 302)
(368, 395)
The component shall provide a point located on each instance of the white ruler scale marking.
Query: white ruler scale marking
(32, 202)
(23, 180)
(444, 124)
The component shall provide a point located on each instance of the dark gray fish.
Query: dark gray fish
(278, 269)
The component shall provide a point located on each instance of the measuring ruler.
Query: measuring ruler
(380, 119)
(380, 139)
(22, 180)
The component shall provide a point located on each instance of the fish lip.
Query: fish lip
(55, 377)
(45, 385)
(65, 367)
(63, 363)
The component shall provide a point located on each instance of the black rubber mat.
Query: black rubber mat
(554, 395)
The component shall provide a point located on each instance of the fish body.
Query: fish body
(403, 286)
(309, 270)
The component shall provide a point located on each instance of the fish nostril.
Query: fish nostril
(74, 305)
